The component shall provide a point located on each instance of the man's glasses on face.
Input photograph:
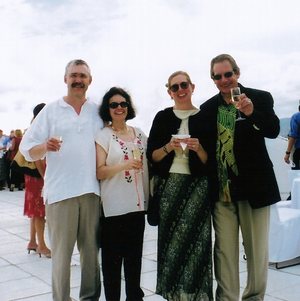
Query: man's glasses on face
(226, 75)
(183, 85)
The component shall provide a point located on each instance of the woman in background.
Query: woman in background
(2, 161)
(180, 169)
(122, 169)
(16, 179)
(34, 206)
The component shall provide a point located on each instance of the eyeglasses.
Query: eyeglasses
(123, 104)
(183, 85)
(226, 75)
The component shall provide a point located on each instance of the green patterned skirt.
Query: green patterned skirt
(184, 269)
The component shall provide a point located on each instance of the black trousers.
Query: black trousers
(122, 242)
(296, 158)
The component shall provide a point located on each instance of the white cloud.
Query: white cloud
(136, 44)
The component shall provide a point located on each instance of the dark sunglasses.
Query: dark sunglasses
(226, 75)
(183, 85)
(123, 104)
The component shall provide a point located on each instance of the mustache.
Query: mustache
(79, 85)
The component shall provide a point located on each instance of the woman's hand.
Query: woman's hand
(108, 171)
(193, 144)
(175, 144)
(133, 164)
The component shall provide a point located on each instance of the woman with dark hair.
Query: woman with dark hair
(122, 169)
(34, 206)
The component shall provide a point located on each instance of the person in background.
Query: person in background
(245, 183)
(2, 161)
(8, 142)
(294, 141)
(34, 206)
(122, 169)
(184, 251)
(16, 179)
(64, 131)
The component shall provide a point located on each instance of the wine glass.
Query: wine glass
(235, 98)
(136, 152)
(59, 139)
(56, 133)
(182, 142)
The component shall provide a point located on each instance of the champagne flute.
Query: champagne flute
(56, 133)
(136, 153)
(235, 98)
(182, 142)
(59, 139)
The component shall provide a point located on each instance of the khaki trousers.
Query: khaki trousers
(70, 221)
(254, 225)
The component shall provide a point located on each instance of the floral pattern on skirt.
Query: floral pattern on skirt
(34, 204)
(184, 239)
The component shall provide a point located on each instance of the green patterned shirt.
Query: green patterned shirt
(225, 155)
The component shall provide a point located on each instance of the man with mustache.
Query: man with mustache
(64, 133)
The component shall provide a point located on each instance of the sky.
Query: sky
(137, 44)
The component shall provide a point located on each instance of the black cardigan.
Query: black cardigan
(164, 125)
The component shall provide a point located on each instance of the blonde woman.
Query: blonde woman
(178, 148)
(16, 180)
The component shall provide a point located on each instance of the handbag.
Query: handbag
(20, 165)
(153, 211)
(157, 185)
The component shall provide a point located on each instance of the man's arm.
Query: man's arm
(291, 143)
(39, 151)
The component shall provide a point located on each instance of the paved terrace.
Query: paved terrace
(27, 277)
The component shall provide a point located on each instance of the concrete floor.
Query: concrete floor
(28, 277)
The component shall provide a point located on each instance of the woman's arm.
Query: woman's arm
(162, 152)
(105, 172)
(41, 167)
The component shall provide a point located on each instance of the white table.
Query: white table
(295, 193)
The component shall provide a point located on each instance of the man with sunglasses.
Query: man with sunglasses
(64, 132)
(243, 180)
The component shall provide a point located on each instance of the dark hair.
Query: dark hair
(104, 107)
(221, 58)
(37, 109)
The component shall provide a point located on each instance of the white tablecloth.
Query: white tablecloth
(295, 194)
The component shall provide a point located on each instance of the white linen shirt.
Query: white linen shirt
(71, 171)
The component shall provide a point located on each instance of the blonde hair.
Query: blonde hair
(18, 133)
(168, 84)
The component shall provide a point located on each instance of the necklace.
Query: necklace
(124, 130)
